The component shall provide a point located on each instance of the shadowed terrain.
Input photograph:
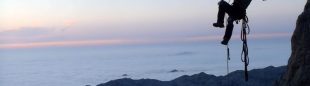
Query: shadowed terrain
(258, 77)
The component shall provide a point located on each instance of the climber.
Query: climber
(236, 11)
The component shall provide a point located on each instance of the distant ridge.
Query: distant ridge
(258, 77)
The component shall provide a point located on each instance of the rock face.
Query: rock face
(258, 77)
(298, 73)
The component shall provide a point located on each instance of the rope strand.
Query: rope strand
(245, 51)
(228, 58)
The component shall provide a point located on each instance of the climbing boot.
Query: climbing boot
(224, 42)
(220, 25)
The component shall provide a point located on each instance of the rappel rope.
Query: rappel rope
(228, 58)
(228, 53)
(227, 61)
(245, 30)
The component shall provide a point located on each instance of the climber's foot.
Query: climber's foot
(220, 25)
(224, 42)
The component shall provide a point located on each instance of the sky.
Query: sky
(48, 23)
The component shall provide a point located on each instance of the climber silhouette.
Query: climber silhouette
(236, 11)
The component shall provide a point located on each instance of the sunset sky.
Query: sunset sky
(41, 23)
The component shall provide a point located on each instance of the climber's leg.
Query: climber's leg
(224, 7)
(228, 32)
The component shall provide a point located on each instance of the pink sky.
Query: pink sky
(45, 23)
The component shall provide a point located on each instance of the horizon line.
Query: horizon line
(115, 42)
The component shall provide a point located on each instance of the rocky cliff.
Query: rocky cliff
(298, 73)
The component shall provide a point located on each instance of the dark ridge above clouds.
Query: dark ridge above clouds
(258, 77)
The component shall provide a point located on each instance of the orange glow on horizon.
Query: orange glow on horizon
(128, 42)
(61, 44)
